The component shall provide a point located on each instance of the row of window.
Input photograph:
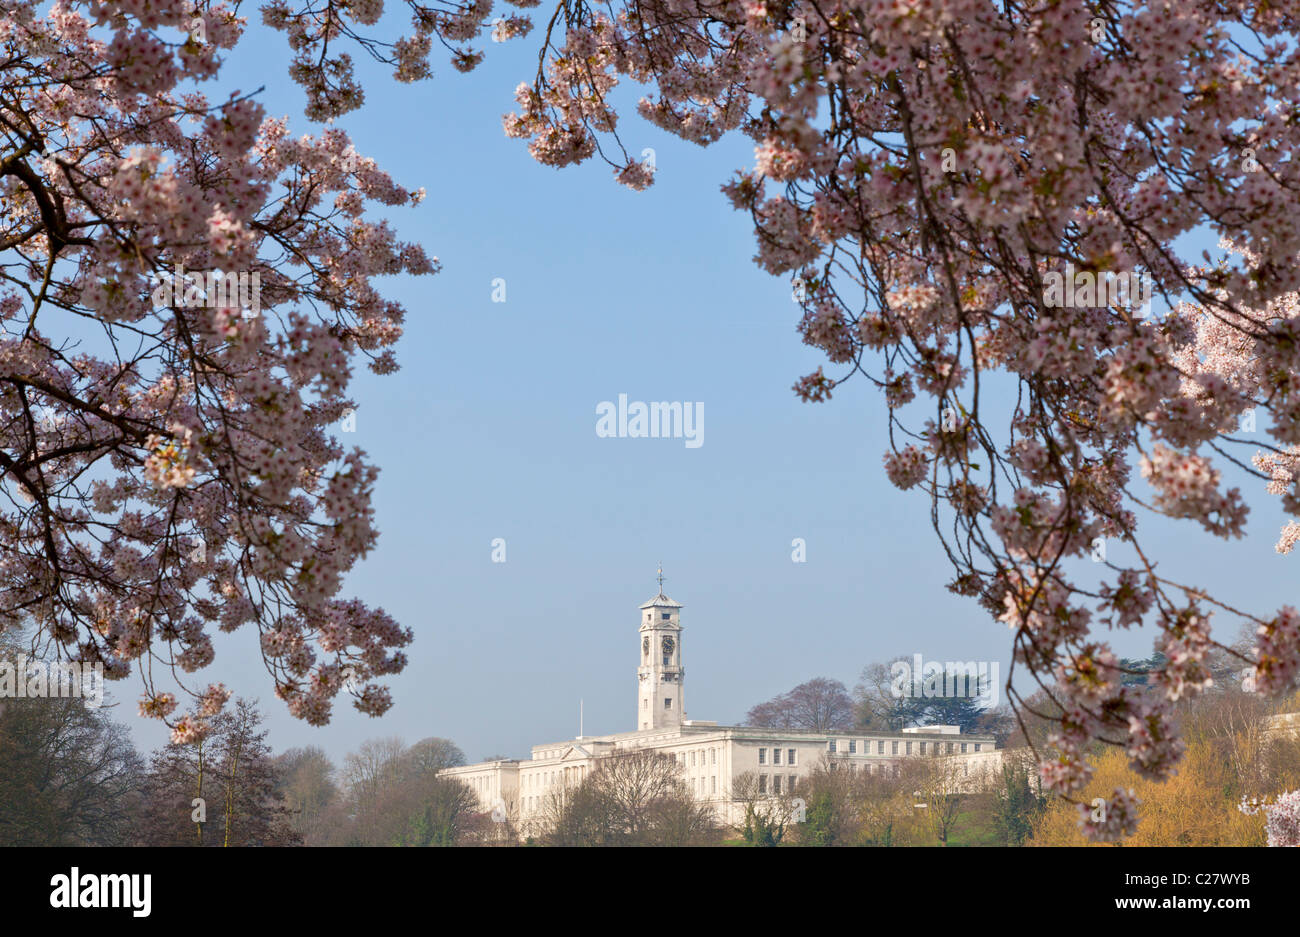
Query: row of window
(697, 785)
(774, 784)
(893, 747)
(569, 775)
(891, 770)
(791, 754)
(704, 756)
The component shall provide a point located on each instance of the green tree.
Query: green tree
(442, 817)
(962, 711)
(821, 822)
(765, 816)
(1019, 805)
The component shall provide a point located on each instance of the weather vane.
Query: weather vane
(661, 578)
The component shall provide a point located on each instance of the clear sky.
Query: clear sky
(489, 431)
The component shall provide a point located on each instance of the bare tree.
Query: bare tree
(940, 789)
(370, 777)
(399, 796)
(225, 782)
(443, 815)
(818, 705)
(634, 798)
(68, 775)
(886, 806)
(876, 705)
(764, 815)
(500, 826)
(574, 816)
(306, 783)
(827, 811)
(432, 755)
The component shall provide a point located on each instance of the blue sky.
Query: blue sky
(489, 431)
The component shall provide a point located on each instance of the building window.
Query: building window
(789, 759)
(776, 756)
(893, 748)
(950, 748)
(909, 747)
(668, 703)
(963, 748)
(853, 746)
(880, 748)
(832, 746)
(692, 759)
(776, 784)
(714, 753)
(645, 704)
(977, 746)
(793, 777)
(762, 756)
(762, 783)
(667, 615)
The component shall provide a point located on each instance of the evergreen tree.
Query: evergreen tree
(1018, 806)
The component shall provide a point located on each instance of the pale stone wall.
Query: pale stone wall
(710, 757)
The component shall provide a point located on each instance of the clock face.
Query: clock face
(668, 646)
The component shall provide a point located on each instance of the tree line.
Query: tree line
(70, 775)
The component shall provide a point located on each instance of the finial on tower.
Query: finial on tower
(661, 578)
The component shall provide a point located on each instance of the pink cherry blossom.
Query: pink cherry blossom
(933, 172)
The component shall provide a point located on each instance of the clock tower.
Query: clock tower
(661, 695)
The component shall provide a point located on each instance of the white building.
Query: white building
(710, 756)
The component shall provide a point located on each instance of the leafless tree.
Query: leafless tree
(315, 803)
(764, 816)
(876, 707)
(634, 798)
(69, 776)
(432, 755)
(940, 790)
(222, 790)
(818, 705)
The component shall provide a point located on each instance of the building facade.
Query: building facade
(710, 757)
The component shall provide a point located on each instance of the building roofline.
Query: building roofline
(765, 732)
